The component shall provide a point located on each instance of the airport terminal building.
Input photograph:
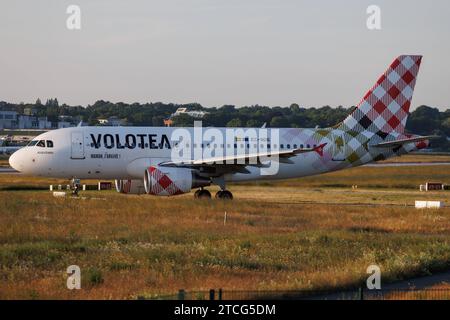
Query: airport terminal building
(14, 120)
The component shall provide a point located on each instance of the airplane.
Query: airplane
(140, 159)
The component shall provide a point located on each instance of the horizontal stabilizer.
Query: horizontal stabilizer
(401, 142)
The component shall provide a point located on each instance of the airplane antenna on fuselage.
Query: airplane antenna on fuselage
(80, 123)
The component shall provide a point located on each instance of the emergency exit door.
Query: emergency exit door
(77, 145)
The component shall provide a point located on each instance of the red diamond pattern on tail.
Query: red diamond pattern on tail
(380, 81)
(379, 107)
(393, 122)
(406, 105)
(394, 92)
(408, 77)
(381, 103)
(395, 64)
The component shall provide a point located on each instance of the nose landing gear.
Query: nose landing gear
(75, 186)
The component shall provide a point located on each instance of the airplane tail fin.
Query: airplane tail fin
(385, 107)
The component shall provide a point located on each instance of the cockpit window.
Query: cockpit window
(41, 143)
(32, 143)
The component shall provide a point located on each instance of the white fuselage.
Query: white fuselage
(125, 152)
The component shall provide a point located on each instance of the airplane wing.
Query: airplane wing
(237, 162)
(400, 142)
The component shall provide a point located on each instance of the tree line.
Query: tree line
(424, 120)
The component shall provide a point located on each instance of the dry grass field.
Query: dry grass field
(311, 233)
(421, 157)
(436, 292)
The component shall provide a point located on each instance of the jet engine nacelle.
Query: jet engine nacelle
(165, 181)
(130, 186)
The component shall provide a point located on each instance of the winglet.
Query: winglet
(319, 149)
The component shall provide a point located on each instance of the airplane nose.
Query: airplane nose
(15, 160)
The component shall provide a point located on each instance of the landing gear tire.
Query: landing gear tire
(224, 195)
(202, 194)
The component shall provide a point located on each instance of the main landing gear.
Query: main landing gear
(205, 194)
(202, 194)
(224, 195)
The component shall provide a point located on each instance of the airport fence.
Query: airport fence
(354, 294)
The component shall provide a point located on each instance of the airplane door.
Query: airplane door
(77, 145)
(339, 147)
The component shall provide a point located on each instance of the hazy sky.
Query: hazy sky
(242, 52)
